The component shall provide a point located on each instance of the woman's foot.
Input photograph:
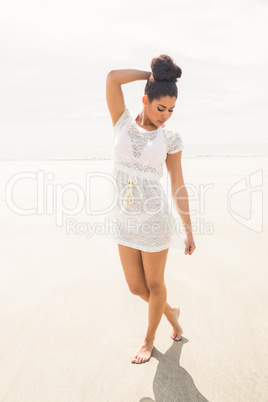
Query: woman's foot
(177, 329)
(144, 352)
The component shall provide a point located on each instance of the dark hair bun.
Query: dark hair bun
(163, 68)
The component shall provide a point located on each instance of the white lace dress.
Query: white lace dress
(141, 216)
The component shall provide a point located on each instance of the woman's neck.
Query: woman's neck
(144, 122)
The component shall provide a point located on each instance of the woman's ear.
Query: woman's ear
(145, 100)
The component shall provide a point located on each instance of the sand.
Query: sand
(69, 324)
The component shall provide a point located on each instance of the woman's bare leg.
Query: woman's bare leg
(154, 267)
(172, 314)
(132, 264)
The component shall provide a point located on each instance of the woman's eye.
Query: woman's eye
(161, 110)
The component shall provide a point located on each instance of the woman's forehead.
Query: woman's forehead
(166, 101)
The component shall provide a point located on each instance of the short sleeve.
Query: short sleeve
(124, 121)
(174, 142)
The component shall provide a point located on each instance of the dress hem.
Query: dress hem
(160, 248)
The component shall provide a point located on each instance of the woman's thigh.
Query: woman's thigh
(154, 267)
(131, 261)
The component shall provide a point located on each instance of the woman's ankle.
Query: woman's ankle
(169, 312)
(149, 338)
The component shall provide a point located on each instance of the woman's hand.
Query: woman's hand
(189, 244)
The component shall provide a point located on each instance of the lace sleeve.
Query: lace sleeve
(123, 121)
(174, 142)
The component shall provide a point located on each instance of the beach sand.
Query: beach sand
(69, 324)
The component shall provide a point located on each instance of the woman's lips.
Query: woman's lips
(161, 122)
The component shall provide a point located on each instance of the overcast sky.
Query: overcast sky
(55, 56)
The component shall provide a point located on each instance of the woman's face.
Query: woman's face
(159, 110)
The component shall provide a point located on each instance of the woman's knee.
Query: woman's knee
(138, 290)
(156, 286)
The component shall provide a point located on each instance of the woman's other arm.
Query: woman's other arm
(180, 197)
(114, 94)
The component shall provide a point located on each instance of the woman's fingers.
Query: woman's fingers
(189, 249)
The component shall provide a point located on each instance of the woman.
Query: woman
(141, 146)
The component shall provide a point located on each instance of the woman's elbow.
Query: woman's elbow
(177, 189)
(111, 76)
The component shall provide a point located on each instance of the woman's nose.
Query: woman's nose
(165, 115)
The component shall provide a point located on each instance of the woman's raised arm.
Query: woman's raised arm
(114, 94)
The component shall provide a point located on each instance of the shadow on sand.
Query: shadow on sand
(172, 383)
